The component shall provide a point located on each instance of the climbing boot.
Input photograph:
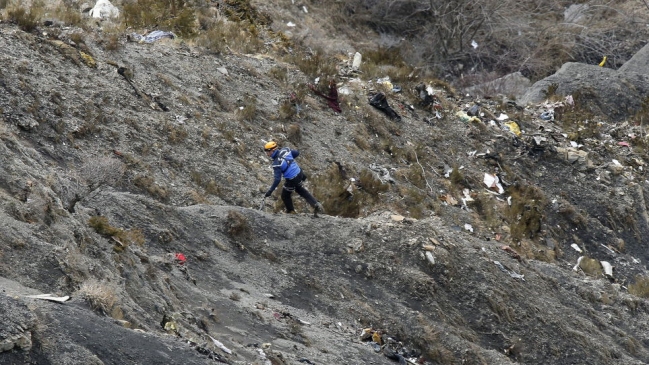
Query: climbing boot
(317, 208)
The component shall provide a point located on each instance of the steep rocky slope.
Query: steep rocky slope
(131, 181)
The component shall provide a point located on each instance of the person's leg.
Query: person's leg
(306, 195)
(287, 190)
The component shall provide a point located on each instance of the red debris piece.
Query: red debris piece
(181, 258)
(624, 144)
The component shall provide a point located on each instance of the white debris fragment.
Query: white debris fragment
(608, 269)
(576, 247)
(222, 70)
(290, 24)
(220, 345)
(430, 257)
(576, 268)
(492, 181)
(511, 273)
(263, 358)
(104, 9)
(468, 227)
(575, 144)
(358, 59)
(49, 297)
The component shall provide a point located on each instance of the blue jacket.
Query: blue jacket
(283, 164)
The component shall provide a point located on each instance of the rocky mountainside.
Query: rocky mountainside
(467, 230)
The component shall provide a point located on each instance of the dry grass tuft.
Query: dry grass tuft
(591, 266)
(172, 15)
(148, 183)
(123, 237)
(294, 134)
(226, 35)
(526, 212)
(640, 287)
(237, 225)
(175, 133)
(100, 295)
(248, 110)
(314, 64)
(102, 170)
(26, 19)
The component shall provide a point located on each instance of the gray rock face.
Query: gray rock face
(17, 324)
(638, 64)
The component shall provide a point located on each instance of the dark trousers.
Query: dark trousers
(296, 184)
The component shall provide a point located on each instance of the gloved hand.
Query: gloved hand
(267, 195)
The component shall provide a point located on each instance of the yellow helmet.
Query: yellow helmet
(270, 146)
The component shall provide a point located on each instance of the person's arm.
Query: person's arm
(278, 178)
(295, 153)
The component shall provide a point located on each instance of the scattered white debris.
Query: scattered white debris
(474, 44)
(290, 24)
(502, 117)
(468, 227)
(304, 8)
(576, 247)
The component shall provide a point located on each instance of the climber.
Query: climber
(284, 164)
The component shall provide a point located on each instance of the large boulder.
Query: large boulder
(615, 94)
(639, 63)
